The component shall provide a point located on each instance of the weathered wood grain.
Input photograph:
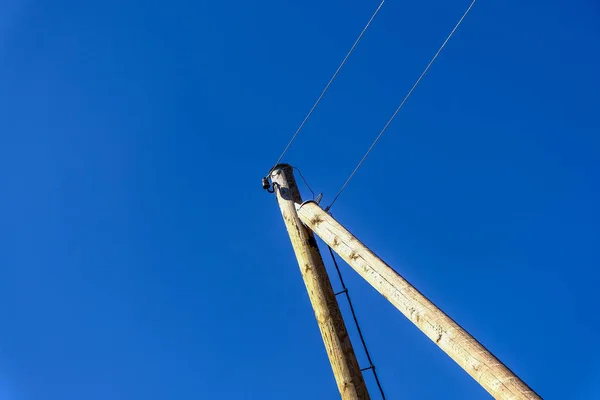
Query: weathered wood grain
(475, 359)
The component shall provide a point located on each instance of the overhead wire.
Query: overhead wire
(412, 89)
(312, 109)
(305, 182)
(344, 288)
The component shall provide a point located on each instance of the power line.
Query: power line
(401, 105)
(326, 87)
(360, 334)
(305, 182)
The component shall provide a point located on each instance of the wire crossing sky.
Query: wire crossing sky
(335, 74)
(128, 270)
(412, 89)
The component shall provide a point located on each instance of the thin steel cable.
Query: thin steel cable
(326, 87)
(401, 105)
(360, 334)
(305, 182)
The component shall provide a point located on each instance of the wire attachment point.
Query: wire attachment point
(266, 184)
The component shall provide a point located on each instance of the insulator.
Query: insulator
(265, 183)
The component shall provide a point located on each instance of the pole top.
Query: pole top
(266, 184)
(299, 206)
(280, 167)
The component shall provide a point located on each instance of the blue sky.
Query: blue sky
(140, 258)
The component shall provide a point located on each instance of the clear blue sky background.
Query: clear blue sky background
(140, 258)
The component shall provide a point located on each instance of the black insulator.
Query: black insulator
(265, 183)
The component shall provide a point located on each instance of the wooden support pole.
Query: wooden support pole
(486, 369)
(343, 361)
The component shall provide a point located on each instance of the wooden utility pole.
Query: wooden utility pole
(343, 361)
(475, 359)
